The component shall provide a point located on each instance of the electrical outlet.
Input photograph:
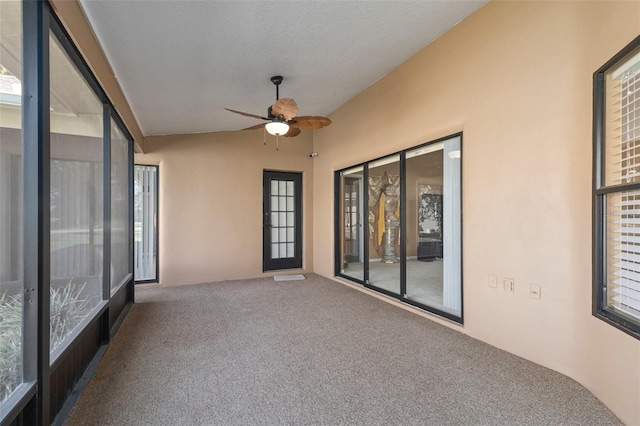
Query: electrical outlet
(493, 281)
(508, 285)
(535, 292)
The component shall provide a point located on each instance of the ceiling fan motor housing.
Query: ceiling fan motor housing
(274, 117)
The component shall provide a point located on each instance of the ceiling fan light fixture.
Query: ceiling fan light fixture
(277, 128)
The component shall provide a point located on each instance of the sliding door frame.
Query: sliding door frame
(338, 230)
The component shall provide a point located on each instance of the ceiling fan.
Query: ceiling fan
(281, 116)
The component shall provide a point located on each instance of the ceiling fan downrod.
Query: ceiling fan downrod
(277, 79)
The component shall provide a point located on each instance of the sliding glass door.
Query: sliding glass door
(407, 241)
(433, 226)
(384, 223)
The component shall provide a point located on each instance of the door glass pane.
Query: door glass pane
(77, 165)
(352, 223)
(11, 285)
(120, 265)
(424, 225)
(280, 249)
(281, 221)
(145, 193)
(433, 226)
(384, 223)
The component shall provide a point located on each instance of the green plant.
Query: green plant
(10, 344)
(68, 309)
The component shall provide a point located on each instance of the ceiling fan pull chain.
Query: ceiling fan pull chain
(264, 136)
(277, 143)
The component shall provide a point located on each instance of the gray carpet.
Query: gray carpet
(312, 352)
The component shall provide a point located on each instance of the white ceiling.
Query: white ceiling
(180, 63)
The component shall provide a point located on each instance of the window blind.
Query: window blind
(623, 291)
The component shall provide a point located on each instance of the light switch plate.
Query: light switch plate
(493, 281)
(508, 285)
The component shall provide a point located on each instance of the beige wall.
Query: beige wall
(515, 77)
(211, 201)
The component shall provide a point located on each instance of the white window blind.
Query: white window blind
(145, 218)
(623, 290)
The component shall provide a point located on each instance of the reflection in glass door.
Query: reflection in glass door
(352, 226)
(352, 260)
(384, 224)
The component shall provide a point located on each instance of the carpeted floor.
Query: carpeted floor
(312, 352)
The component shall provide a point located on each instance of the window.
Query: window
(120, 266)
(76, 187)
(11, 283)
(616, 297)
(398, 226)
(145, 211)
(65, 177)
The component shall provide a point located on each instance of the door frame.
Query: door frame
(269, 264)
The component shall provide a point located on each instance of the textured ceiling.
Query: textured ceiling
(180, 63)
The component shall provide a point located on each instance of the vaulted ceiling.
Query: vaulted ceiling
(180, 63)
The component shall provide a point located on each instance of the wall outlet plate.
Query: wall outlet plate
(535, 292)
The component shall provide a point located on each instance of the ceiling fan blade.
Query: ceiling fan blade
(246, 114)
(309, 122)
(257, 126)
(286, 107)
(293, 132)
